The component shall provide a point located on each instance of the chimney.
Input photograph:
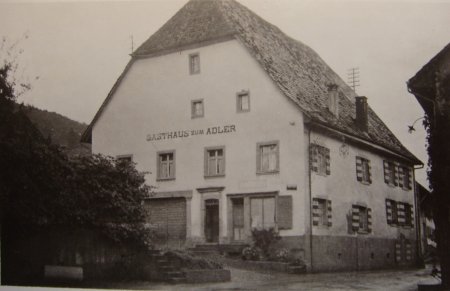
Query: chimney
(361, 120)
(333, 99)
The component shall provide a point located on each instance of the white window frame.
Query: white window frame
(260, 157)
(274, 226)
(219, 162)
(159, 162)
(239, 97)
(194, 63)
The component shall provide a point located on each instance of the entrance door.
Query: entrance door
(212, 220)
(238, 219)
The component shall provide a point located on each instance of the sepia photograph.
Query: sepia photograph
(225, 145)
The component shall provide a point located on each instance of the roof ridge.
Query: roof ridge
(295, 68)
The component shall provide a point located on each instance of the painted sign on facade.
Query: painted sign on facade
(192, 132)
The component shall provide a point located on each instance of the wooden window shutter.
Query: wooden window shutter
(400, 176)
(408, 251)
(327, 157)
(205, 164)
(370, 171)
(389, 211)
(278, 156)
(395, 169)
(411, 212)
(398, 252)
(313, 157)
(401, 213)
(329, 217)
(369, 220)
(284, 212)
(355, 218)
(359, 173)
(315, 212)
(387, 172)
(410, 180)
(258, 158)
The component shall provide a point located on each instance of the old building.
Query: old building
(431, 87)
(241, 126)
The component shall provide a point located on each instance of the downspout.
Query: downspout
(418, 225)
(310, 202)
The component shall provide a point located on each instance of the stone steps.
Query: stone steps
(168, 272)
(207, 249)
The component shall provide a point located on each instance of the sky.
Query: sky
(75, 50)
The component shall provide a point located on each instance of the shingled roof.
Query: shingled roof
(295, 68)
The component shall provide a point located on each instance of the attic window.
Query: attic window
(197, 109)
(194, 64)
(243, 101)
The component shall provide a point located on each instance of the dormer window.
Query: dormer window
(194, 64)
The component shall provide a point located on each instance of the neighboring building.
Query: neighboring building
(431, 87)
(240, 126)
(428, 240)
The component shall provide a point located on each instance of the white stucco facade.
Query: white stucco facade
(155, 97)
(150, 112)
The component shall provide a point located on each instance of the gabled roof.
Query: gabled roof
(296, 69)
(423, 84)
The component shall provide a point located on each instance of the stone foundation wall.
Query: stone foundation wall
(333, 253)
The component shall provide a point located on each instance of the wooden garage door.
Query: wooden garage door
(169, 218)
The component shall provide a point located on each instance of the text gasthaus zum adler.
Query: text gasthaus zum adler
(191, 132)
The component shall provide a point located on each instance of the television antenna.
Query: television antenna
(353, 78)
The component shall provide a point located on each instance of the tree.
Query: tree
(438, 137)
(42, 188)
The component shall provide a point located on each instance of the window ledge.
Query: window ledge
(322, 226)
(367, 183)
(391, 185)
(164, 179)
(268, 172)
(214, 176)
(321, 174)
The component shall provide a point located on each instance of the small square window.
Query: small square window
(404, 174)
(268, 157)
(363, 170)
(215, 162)
(243, 102)
(361, 219)
(390, 173)
(197, 109)
(194, 64)
(320, 160)
(166, 165)
(321, 212)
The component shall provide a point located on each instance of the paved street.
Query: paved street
(250, 280)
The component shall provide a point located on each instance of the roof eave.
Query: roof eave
(314, 124)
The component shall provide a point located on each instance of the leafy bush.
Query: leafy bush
(264, 239)
(282, 255)
(251, 253)
(187, 261)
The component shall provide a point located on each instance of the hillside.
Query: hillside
(58, 128)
